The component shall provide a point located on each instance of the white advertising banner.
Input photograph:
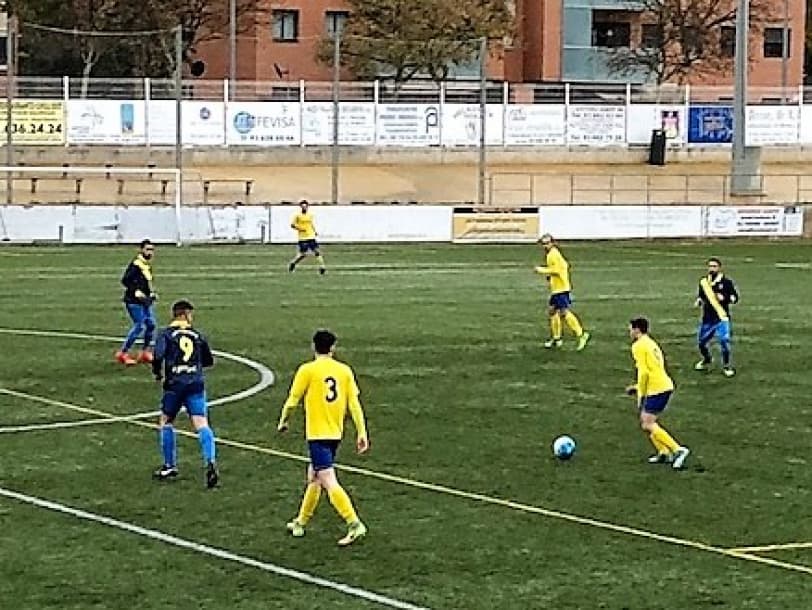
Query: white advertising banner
(621, 221)
(595, 125)
(107, 122)
(806, 124)
(212, 224)
(461, 122)
(408, 125)
(755, 221)
(644, 118)
(203, 123)
(35, 223)
(770, 125)
(263, 124)
(356, 123)
(535, 125)
(373, 223)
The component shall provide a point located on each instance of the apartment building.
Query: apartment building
(554, 40)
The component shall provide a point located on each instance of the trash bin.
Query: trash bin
(656, 155)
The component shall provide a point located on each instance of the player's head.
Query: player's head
(547, 242)
(638, 327)
(324, 342)
(714, 266)
(303, 205)
(146, 248)
(182, 310)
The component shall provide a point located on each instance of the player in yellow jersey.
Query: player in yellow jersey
(653, 389)
(329, 389)
(302, 223)
(557, 270)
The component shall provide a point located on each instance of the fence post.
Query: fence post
(483, 117)
(65, 108)
(11, 72)
(336, 110)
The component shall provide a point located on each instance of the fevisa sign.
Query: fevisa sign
(264, 124)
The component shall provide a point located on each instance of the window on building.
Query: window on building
(285, 25)
(693, 42)
(3, 58)
(334, 21)
(727, 41)
(611, 34)
(774, 42)
(651, 36)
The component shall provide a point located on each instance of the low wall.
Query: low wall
(357, 223)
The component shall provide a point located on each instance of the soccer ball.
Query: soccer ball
(564, 447)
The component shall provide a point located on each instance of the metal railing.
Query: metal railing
(516, 189)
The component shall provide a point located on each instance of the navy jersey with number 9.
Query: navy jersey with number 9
(181, 354)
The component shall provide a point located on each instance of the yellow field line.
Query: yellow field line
(772, 547)
(518, 506)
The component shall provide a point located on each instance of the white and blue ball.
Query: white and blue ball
(564, 447)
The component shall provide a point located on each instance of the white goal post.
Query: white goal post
(9, 175)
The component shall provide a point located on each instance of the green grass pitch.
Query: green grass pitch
(446, 341)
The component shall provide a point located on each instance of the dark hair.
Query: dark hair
(713, 259)
(304, 202)
(144, 243)
(640, 324)
(324, 341)
(181, 307)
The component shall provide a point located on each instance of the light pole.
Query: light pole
(746, 161)
(785, 53)
(232, 47)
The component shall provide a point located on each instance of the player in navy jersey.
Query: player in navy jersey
(139, 298)
(181, 354)
(717, 293)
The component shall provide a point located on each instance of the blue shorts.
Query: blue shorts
(561, 300)
(308, 245)
(656, 403)
(191, 396)
(721, 330)
(322, 453)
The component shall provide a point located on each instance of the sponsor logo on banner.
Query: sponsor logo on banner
(263, 124)
(769, 125)
(592, 125)
(497, 227)
(356, 124)
(408, 125)
(202, 123)
(35, 122)
(106, 122)
(644, 118)
(461, 122)
(710, 125)
(535, 125)
(728, 221)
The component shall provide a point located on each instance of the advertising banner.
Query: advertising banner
(35, 122)
(356, 123)
(644, 118)
(408, 125)
(595, 125)
(461, 122)
(753, 221)
(202, 123)
(107, 122)
(535, 125)
(621, 221)
(771, 125)
(263, 124)
(710, 125)
(495, 227)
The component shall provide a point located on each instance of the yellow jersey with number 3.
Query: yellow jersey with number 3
(304, 226)
(329, 389)
(652, 378)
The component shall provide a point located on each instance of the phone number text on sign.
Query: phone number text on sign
(35, 122)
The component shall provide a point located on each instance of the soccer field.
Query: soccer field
(465, 505)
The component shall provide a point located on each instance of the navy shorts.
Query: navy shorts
(322, 453)
(308, 245)
(720, 330)
(656, 403)
(193, 397)
(561, 300)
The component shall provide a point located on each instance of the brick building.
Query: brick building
(556, 40)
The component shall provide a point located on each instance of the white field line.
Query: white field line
(474, 496)
(266, 379)
(211, 551)
(788, 546)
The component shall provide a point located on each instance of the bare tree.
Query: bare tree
(684, 39)
(420, 38)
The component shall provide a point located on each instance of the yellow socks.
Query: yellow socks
(342, 503)
(575, 326)
(659, 435)
(555, 326)
(309, 503)
(661, 449)
(320, 260)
